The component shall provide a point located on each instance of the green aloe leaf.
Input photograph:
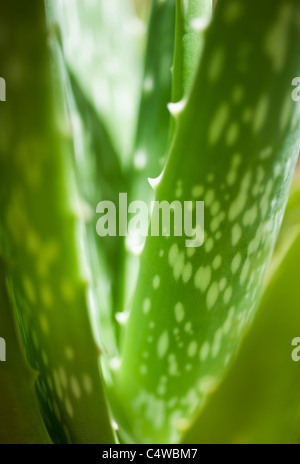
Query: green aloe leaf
(288, 231)
(100, 178)
(154, 118)
(178, 366)
(236, 146)
(152, 134)
(21, 421)
(42, 236)
(192, 18)
(259, 398)
(101, 48)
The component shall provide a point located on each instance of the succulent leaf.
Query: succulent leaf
(101, 48)
(100, 178)
(154, 118)
(21, 421)
(259, 396)
(236, 147)
(192, 18)
(166, 336)
(42, 239)
(153, 127)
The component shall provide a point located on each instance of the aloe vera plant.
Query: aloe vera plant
(149, 341)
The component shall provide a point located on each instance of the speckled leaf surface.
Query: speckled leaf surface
(41, 237)
(259, 399)
(186, 360)
(21, 421)
(236, 146)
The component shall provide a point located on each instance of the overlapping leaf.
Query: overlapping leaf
(192, 18)
(21, 421)
(258, 402)
(101, 45)
(236, 146)
(42, 236)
